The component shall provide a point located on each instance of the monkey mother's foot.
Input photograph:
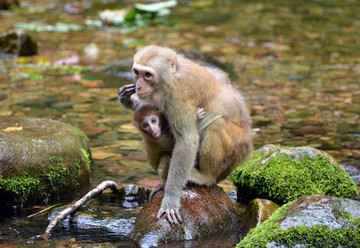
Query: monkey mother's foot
(172, 215)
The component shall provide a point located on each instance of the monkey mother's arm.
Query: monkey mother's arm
(124, 96)
(183, 126)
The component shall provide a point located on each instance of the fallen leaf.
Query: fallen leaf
(92, 85)
(12, 129)
(148, 182)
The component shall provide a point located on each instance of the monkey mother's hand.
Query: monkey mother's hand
(171, 213)
(124, 95)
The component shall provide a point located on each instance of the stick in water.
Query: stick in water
(69, 210)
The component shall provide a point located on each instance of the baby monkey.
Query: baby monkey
(150, 121)
(157, 139)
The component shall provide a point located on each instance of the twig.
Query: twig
(44, 210)
(69, 210)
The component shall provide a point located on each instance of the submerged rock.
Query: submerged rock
(206, 212)
(285, 174)
(312, 221)
(17, 43)
(6, 4)
(133, 195)
(41, 160)
(256, 213)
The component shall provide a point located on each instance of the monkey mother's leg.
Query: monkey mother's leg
(223, 146)
(162, 171)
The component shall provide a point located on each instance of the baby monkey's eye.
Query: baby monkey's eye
(153, 120)
(145, 125)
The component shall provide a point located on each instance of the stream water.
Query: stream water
(296, 62)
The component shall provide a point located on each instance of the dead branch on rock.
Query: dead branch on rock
(69, 210)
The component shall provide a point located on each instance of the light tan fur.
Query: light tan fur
(180, 86)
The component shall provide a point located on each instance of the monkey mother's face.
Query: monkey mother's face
(144, 78)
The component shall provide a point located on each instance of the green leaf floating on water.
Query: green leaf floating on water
(35, 76)
(156, 7)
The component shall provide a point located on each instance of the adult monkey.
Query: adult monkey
(179, 86)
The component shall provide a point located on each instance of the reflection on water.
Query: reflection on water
(296, 62)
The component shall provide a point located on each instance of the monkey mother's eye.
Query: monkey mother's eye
(148, 75)
(136, 72)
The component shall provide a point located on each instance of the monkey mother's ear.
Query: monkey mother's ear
(173, 65)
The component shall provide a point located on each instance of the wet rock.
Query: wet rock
(6, 4)
(76, 7)
(260, 121)
(206, 212)
(285, 174)
(98, 222)
(233, 195)
(17, 43)
(41, 161)
(133, 195)
(208, 60)
(312, 221)
(256, 213)
(115, 72)
(308, 130)
(92, 131)
(354, 173)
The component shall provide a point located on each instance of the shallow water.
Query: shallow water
(296, 62)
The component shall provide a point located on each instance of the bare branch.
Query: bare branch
(69, 210)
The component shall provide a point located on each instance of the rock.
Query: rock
(312, 221)
(256, 213)
(285, 174)
(41, 161)
(354, 173)
(115, 72)
(93, 219)
(6, 4)
(133, 195)
(259, 120)
(208, 60)
(17, 43)
(206, 212)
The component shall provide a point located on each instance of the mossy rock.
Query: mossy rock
(285, 174)
(312, 221)
(41, 161)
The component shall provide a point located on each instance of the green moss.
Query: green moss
(21, 186)
(76, 171)
(86, 156)
(57, 175)
(282, 178)
(52, 179)
(79, 133)
(316, 236)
